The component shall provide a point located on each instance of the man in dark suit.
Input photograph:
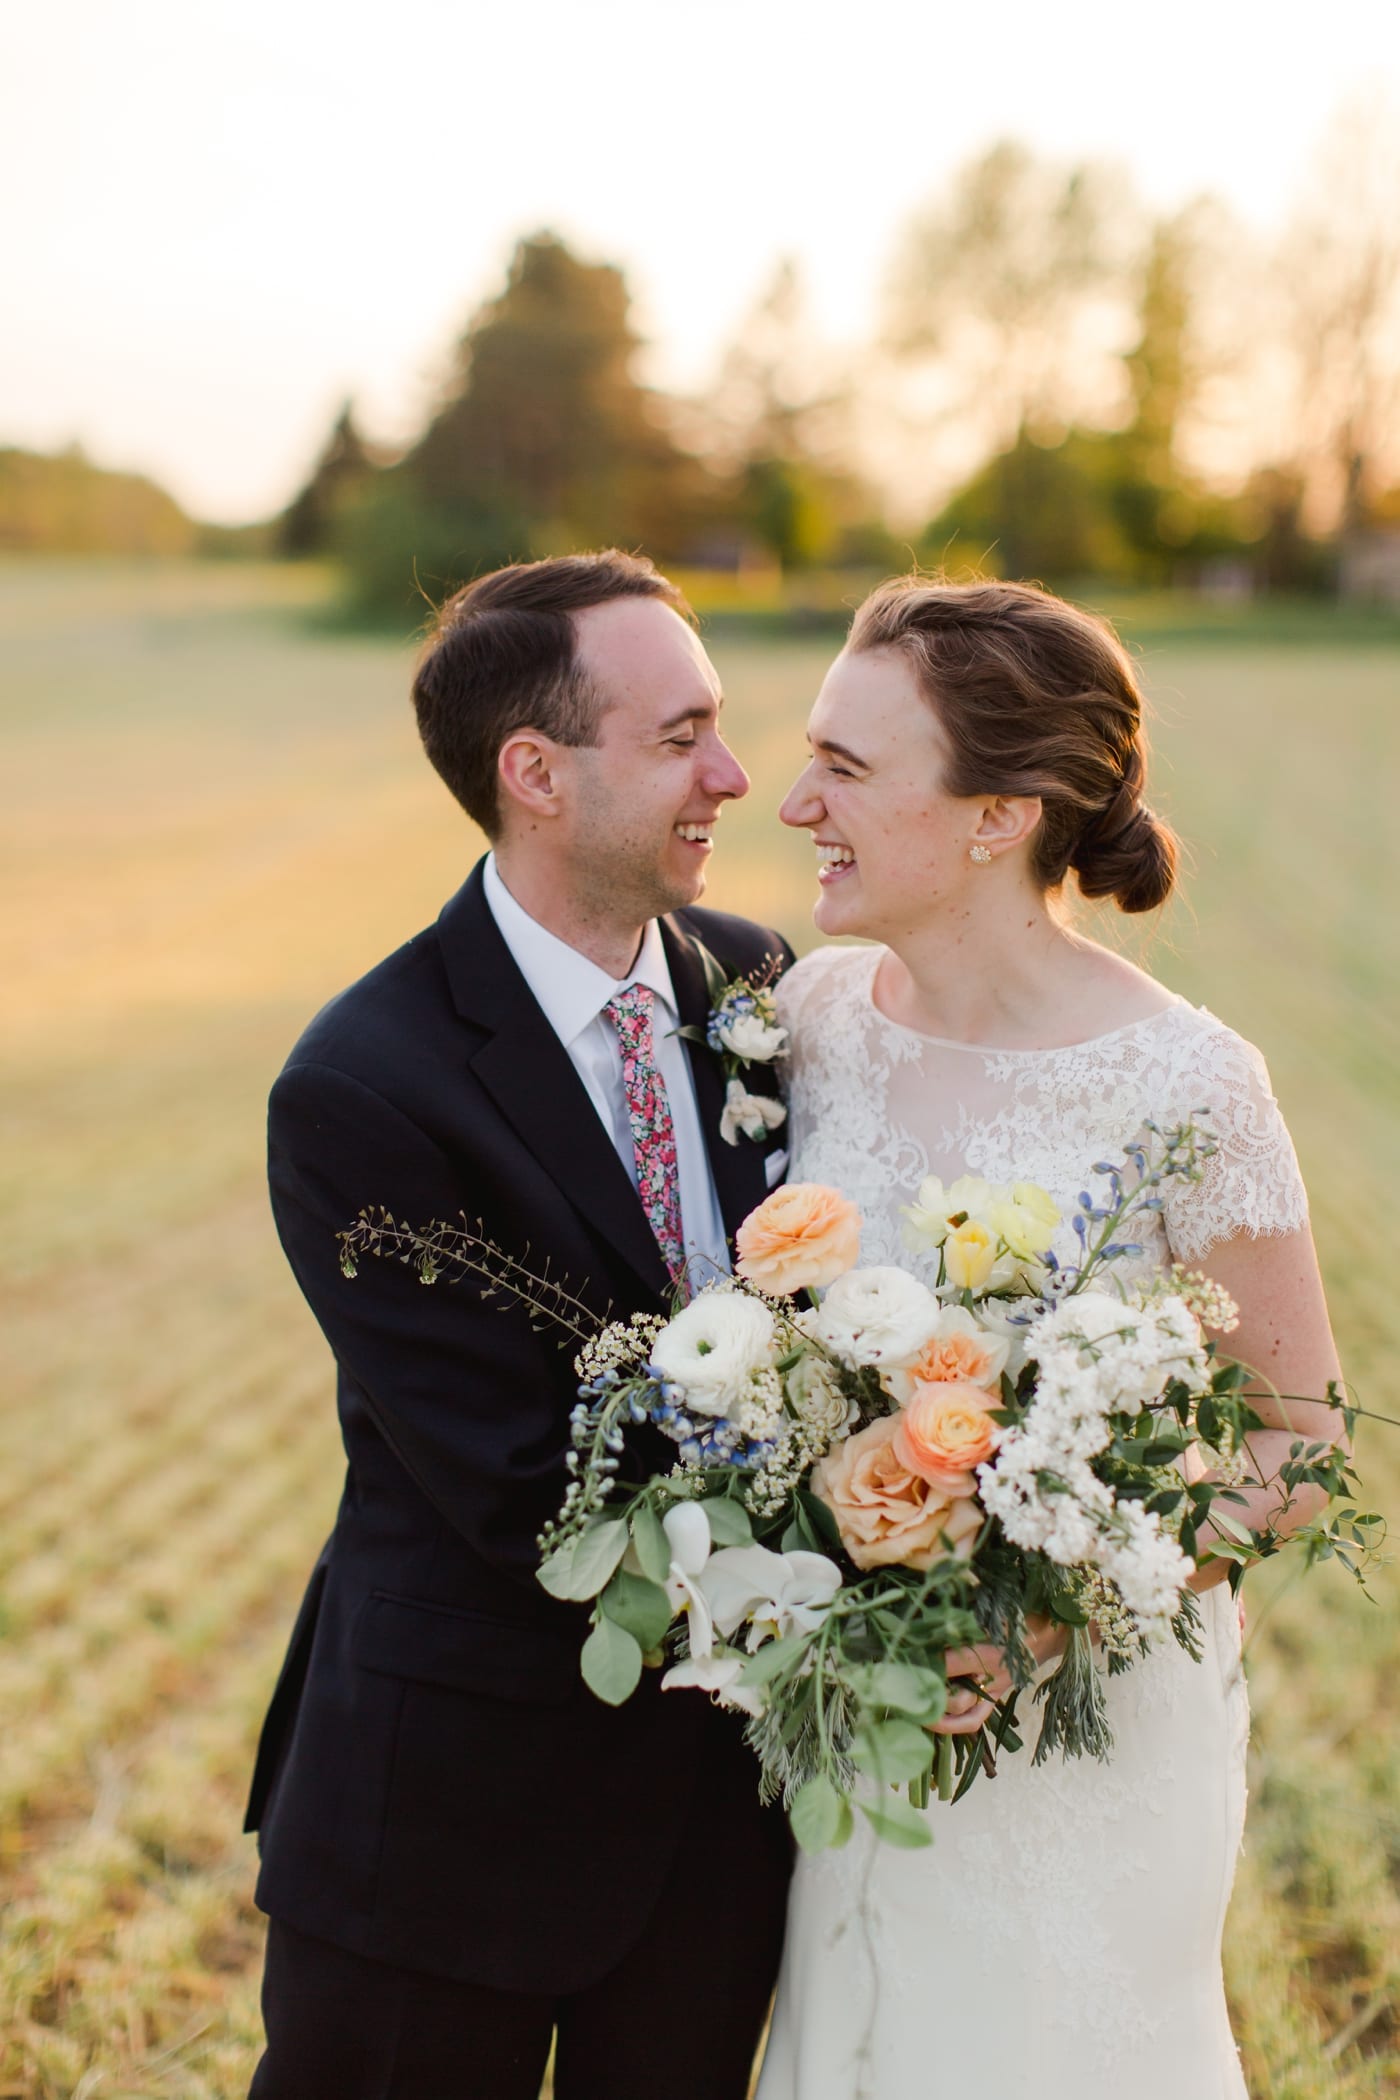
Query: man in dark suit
(464, 1854)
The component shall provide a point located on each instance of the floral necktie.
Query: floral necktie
(653, 1134)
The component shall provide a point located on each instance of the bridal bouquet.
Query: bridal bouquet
(870, 1471)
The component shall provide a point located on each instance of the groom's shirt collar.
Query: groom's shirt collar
(570, 989)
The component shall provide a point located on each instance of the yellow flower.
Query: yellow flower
(970, 1253)
(1027, 1221)
(931, 1215)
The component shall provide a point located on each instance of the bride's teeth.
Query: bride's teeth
(833, 856)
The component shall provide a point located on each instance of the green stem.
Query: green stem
(943, 1766)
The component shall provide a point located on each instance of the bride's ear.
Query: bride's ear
(1005, 821)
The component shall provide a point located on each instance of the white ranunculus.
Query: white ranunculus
(753, 1039)
(817, 1399)
(773, 1593)
(712, 1349)
(753, 1114)
(880, 1317)
(715, 1673)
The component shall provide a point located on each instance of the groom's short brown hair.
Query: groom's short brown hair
(502, 656)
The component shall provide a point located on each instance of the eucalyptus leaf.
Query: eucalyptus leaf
(908, 1689)
(649, 1540)
(580, 1569)
(640, 1607)
(819, 1815)
(729, 1521)
(822, 1520)
(898, 1822)
(772, 1658)
(892, 1751)
(611, 1662)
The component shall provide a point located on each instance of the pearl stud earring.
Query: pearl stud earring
(981, 854)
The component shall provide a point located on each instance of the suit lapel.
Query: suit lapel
(740, 1182)
(532, 1081)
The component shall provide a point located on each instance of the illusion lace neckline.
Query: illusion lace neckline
(944, 1042)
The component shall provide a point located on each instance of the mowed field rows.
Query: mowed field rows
(215, 815)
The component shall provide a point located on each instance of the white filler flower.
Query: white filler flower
(712, 1349)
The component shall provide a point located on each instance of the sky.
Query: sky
(220, 220)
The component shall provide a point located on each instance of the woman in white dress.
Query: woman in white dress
(971, 748)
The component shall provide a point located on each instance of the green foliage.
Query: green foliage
(611, 1661)
(544, 441)
(63, 504)
(578, 1569)
(312, 521)
(640, 1607)
(820, 1816)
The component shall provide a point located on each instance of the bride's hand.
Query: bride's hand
(971, 1705)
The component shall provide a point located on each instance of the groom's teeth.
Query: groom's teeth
(696, 833)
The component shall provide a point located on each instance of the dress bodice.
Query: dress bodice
(876, 1106)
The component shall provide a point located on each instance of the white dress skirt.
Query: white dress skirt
(1060, 1939)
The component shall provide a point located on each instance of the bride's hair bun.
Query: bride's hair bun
(1036, 698)
(1126, 852)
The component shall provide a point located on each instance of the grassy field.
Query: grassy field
(215, 814)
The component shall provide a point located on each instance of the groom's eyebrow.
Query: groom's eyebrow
(700, 712)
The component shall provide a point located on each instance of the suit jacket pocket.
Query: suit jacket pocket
(464, 1651)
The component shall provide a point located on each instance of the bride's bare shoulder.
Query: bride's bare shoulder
(1111, 992)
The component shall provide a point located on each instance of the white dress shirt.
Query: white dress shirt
(572, 992)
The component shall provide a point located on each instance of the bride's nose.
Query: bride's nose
(802, 806)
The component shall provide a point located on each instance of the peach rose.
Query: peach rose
(960, 1355)
(886, 1514)
(803, 1236)
(943, 1433)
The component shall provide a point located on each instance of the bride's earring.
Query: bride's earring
(981, 854)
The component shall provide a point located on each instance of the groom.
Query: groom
(464, 1854)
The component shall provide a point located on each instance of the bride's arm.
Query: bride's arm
(1285, 1337)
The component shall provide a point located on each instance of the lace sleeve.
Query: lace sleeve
(1251, 1184)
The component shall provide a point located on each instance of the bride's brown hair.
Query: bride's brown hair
(1036, 698)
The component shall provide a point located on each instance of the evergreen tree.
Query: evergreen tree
(309, 523)
(546, 440)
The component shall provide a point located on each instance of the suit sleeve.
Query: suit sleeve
(469, 1398)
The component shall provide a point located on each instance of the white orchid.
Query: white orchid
(687, 1530)
(716, 1673)
(752, 1115)
(773, 1593)
(713, 1348)
(881, 1317)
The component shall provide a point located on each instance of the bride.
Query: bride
(971, 748)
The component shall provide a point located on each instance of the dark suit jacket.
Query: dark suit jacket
(434, 1786)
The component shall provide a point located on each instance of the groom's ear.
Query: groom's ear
(527, 766)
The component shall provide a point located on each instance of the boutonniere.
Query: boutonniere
(743, 1029)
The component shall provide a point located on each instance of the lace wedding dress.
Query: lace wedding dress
(1061, 1938)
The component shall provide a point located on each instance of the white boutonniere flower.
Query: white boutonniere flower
(743, 1029)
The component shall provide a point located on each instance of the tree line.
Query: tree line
(1061, 385)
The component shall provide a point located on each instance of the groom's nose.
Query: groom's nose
(724, 776)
